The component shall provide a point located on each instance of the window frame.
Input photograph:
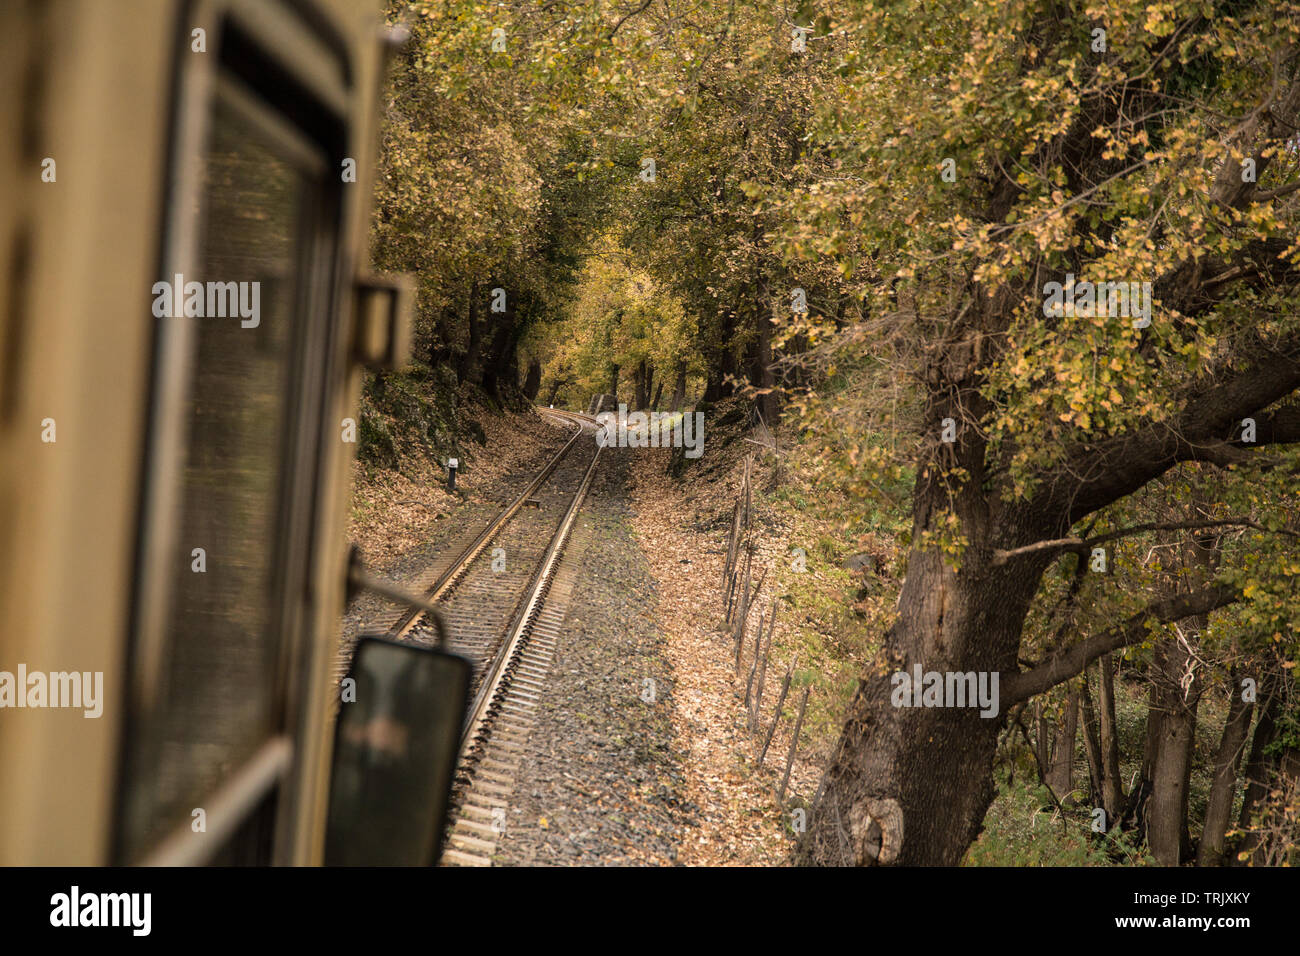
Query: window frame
(317, 259)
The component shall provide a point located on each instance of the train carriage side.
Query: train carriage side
(182, 323)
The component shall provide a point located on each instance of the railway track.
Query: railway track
(503, 598)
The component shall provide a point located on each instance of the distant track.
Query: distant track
(452, 575)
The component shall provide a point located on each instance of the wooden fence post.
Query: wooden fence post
(780, 702)
(794, 743)
(756, 711)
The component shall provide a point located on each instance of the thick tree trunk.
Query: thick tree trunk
(1218, 811)
(910, 785)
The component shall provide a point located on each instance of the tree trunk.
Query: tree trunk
(760, 360)
(1259, 766)
(719, 386)
(558, 384)
(1218, 811)
(639, 398)
(533, 381)
(1042, 743)
(1275, 829)
(467, 370)
(760, 363)
(499, 364)
(679, 387)
(1060, 775)
(1177, 682)
(1092, 744)
(1112, 785)
(911, 785)
(1171, 762)
(714, 389)
(613, 381)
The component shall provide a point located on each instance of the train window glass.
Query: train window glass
(252, 842)
(220, 681)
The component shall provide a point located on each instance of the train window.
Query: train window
(219, 706)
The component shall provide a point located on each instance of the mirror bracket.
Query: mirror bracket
(359, 579)
(382, 323)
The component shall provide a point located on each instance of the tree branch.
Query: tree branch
(627, 16)
(1084, 545)
(1022, 685)
(1099, 473)
(1275, 193)
(1278, 427)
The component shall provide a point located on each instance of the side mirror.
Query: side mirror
(395, 748)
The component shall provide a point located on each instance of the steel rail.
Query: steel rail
(496, 679)
(452, 575)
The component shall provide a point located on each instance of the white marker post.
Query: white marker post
(452, 465)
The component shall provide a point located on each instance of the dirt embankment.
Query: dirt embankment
(682, 525)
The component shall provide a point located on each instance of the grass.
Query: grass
(1024, 828)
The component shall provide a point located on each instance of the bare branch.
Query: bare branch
(1022, 685)
(1276, 193)
(1084, 545)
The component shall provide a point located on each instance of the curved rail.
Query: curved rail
(499, 716)
(449, 578)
